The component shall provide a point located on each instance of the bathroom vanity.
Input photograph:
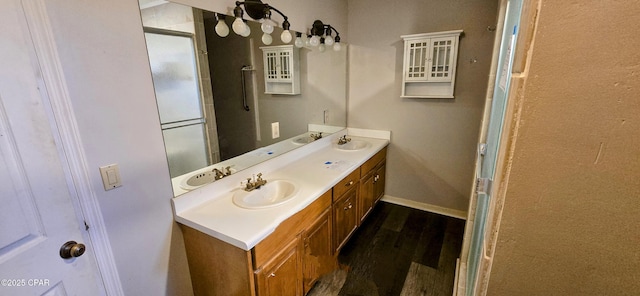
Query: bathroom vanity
(282, 249)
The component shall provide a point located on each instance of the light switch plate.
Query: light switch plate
(110, 176)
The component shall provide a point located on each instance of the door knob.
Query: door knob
(71, 249)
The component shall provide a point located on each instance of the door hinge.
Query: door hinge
(86, 226)
(482, 148)
(483, 185)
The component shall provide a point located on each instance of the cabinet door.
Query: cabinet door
(430, 59)
(441, 59)
(416, 54)
(283, 275)
(284, 65)
(270, 65)
(345, 217)
(378, 182)
(367, 195)
(317, 256)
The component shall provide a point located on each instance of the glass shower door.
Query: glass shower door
(496, 122)
(175, 78)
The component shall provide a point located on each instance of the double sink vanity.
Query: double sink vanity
(276, 227)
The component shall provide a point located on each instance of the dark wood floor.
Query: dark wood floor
(397, 251)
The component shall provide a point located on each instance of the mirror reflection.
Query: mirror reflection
(220, 112)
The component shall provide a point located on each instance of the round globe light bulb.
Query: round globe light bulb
(266, 39)
(337, 46)
(238, 26)
(315, 41)
(222, 29)
(299, 43)
(321, 47)
(328, 40)
(266, 26)
(307, 42)
(286, 36)
(246, 32)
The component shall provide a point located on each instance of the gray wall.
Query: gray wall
(433, 145)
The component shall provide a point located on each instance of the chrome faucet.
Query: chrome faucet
(344, 140)
(316, 136)
(219, 174)
(256, 184)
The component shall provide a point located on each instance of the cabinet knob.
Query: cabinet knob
(348, 207)
(349, 184)
(272, 274)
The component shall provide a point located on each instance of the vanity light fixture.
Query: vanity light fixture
(321, 36)
(261, 12)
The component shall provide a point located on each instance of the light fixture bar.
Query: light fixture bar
(262, 11)
(321, 33)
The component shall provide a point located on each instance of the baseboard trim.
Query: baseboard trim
(425, 207)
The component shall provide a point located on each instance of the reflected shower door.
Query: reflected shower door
(174, 69)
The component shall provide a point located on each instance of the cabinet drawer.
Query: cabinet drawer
(345, 184)
(374, 161)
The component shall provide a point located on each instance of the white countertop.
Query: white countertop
(251, 158)
(315, 167)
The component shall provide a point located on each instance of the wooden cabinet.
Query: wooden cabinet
(317, 255)
(345, 217)
(355, 196)
(310, 231)
(430, 64)
(275, 266)
(367, 197)
(379, 180)
(300, 250)
(372, 183)
(281, 70)
(282, 276)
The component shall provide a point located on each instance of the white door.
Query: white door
(37, 211)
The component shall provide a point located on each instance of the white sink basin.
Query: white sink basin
(274, 193)
(303, 140)
(199, 179)
(353, 145)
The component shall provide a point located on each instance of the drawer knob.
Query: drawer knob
(349, 184)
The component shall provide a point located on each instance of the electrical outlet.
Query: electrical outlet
(275, 130)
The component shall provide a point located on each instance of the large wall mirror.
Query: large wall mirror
(215, 115)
